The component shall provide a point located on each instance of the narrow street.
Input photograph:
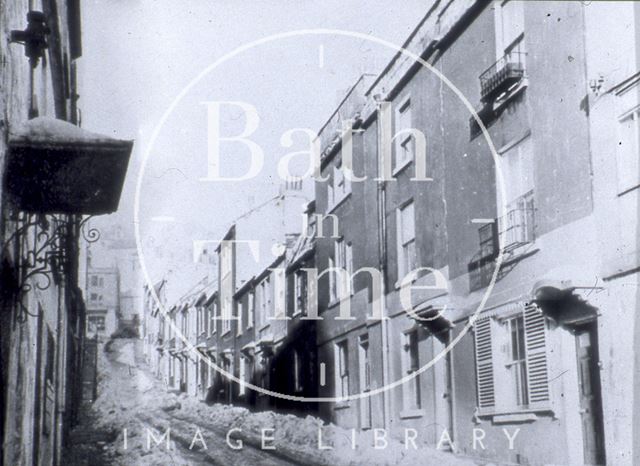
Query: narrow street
(125, 425)
(136, 421)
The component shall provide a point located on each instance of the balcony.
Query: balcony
(516, 228)
(505, 234)
(482, 265)
(502, 76)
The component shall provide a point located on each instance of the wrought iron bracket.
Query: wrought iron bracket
(38, 249)
(89, 234)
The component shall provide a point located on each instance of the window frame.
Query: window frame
(506, 45)
(412, 393)
(213, 318)
(339, 185)
(342, 368)
(251, 309)
(497, 392)
(402, 246)
(342, 260)
(93, 320)
(239, 313)
(623, 188)
(516, 362)
(405, 144)
(300, 291)
(333, 291)
(242, 375)
(265, 299)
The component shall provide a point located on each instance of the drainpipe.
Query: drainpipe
(382, 256)
(384, 324)
(58, 409)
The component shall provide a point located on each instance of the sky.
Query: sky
(139, 55)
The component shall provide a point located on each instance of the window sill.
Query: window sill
(341, 405)
(514, 418)
(401, 167)
(332, 208)
(514, 415)
(412, 413)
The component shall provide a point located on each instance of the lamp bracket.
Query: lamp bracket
(40, 253)
(33, 37)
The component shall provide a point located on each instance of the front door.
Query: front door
(590, 392)
(183, 375)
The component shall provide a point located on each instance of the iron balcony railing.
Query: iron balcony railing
(502, 75)
(507, 233)
(516, 228)
(482, 265)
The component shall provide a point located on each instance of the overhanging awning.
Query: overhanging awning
(561, 281)
(249, 349)
(201, 300)
(567, 294)
(56, 167)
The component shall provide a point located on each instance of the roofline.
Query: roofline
(438, 43)
(344, 99)
(404, 45)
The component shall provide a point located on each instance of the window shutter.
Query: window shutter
(484, 363)
(536, 347)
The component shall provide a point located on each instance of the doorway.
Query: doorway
(590, 392)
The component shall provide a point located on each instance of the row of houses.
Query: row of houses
(231, 328)
(516, 236)
(54, 175)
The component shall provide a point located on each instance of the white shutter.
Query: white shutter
(536, 347)
(484, 363)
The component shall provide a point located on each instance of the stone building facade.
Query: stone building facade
(102, 299)
(516, 235)
(48, 167)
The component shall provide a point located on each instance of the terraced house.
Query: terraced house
(531, 309)
(233, 325)
(491, 169)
